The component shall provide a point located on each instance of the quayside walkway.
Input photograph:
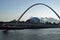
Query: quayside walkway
(13, 26)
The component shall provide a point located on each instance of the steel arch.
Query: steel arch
(35, 5)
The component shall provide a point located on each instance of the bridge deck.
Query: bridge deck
(28, 26)
(32, 27)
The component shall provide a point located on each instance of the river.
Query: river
(31, 34)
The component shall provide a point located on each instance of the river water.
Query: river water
(31, 34)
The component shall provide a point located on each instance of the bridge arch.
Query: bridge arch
(35, 5)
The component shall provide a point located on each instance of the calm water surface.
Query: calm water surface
(31, 34)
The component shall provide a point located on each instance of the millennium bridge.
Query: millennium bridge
(18, 26)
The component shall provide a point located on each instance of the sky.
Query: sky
(12, 9)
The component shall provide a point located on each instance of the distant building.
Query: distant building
(52, 20)
(33, 20)
(14, 21)
(42, 21)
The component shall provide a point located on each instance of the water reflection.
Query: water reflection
(31, 34)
